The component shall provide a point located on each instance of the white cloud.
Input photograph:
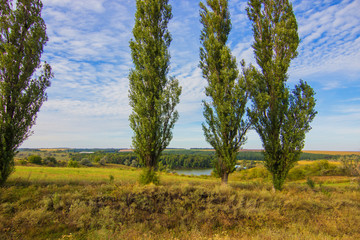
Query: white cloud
(88, 50)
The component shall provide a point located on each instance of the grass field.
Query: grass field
(108, 203)
(118, 174)
(305, 162)
(333, 152)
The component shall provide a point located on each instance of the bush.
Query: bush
(134, 163)
(256, 172)
(73, 164)
(149, 176)
(35, 159)
(102, 162)
(310, 183)
(318, 168)
(50, 161)
(351, 165)
(23, 162)
(86, 162)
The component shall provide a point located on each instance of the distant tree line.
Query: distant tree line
(171, 161)
(177, 159)
(259, 156)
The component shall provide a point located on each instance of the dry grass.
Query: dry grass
(53, 149)
(306, 162)
(333, 152)
(188, 210)
(84, 203)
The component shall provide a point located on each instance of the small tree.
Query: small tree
(50, 161)
(281, 117)
(35, 159)
(225, 128)
(103, 161)
(22, 38)
(72, 164)
(153, 96)
(86, 162)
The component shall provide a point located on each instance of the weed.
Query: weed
(310, 183)
(111, 178)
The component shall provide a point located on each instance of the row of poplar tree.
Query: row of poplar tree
(280, 116)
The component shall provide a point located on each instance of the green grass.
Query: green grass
(84, 203)
(53, 174)
(120, 173)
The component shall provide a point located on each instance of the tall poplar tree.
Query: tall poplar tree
(153, 95)
(225, 127)
(280, 116)
(22, 38)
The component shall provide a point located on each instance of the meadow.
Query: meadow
(106, 202)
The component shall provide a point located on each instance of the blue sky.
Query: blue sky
(88, 49)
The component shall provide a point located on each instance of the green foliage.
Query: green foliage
(111, 178)
(281, 117)
(351, 165)
(35, 159)
(254, 173)
(310, 183)
(134, 163)
(102, 161)
(86, 162)
(50, 161)
(153, 95)
(73, 164)
(225, 128)
(148, 176)
(299, 172)
(22, 38)
(318, 168)
(23, 162)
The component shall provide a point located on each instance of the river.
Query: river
(195, 172)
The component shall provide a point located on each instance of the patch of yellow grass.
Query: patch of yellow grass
(304, 162)
(333, 152)
(52, 149)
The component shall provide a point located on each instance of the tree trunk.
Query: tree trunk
(278, 182)
(224, 178)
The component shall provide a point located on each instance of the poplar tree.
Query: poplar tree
(225, 127)
(153, 95)
(280, 116)
(22, 92)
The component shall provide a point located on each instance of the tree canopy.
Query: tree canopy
(22, 85)
(153, 95)
(225, 127)
(280, 116)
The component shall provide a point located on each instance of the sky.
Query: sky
(89, 52)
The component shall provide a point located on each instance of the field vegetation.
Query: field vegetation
(171, 159)
(319, 201)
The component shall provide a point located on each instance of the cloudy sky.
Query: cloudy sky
(89, 51)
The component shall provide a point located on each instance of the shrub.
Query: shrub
(102, 162)
(73, 164)
(351, 165)
(318, 168)
(134, 163)
(148, 176)
(50, 161)
(296, 173)
(111, 178)
(310, 183)
(86, 162)
(23, 162)
(35, 159)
